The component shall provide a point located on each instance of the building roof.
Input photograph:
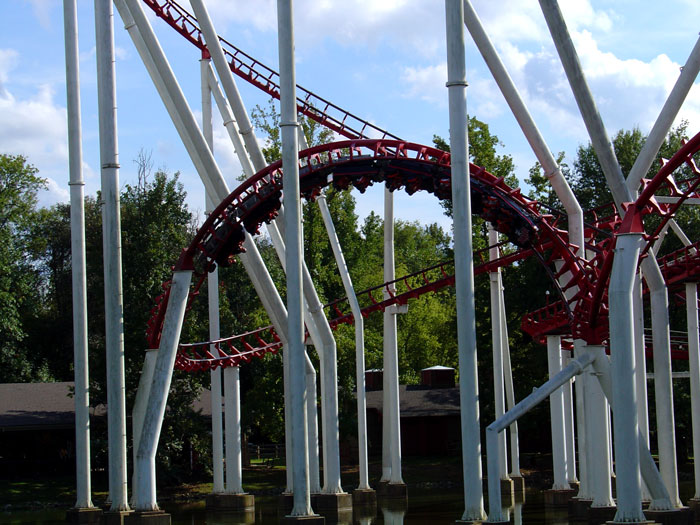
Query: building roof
(420, 401)
(42, 405)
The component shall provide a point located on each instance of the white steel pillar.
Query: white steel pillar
(584, 491)
(497, 350)
(640, 371)
(77, 222)
(232, 426)
(556, 410)
(294, 254)
(329, 380)
(138, 412)
(464, 264)
(391, 405)
(629, 496)
(597, 416)
(691, 304)
(217, 445)
(111, 244)
(145, 491)
(359, 342)
(510, 398)
(569, 441)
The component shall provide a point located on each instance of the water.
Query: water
(424, 507)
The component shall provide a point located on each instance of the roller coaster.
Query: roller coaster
(586, 277)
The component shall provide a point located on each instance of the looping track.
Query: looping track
(360, 164)
(590, 314)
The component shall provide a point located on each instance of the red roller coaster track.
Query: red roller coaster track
(531, 228)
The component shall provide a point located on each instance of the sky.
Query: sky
(381, 60)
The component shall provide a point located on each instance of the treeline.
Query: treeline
(35, 289)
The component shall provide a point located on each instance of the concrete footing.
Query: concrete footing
(364, 497)
(681, 516)
(518, 484)
(694, 503)
(599, 515)
(558, 498)
(392, 491)
(578, 508)
(84, 515)
(315, 519)
(147, 517)
(115, 517)
(630, 523)
(231, 502)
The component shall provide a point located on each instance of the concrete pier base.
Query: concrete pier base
(518, 484)
(115, 517)
(630, 523)
(364, 498)
(599, 515)
(315, 520)
(336, 508)
(681, 516)
(694, 503)
(558, 498)
(578, 508)
(83, 515)
(231, 502)
(147, 517)
(392, 491)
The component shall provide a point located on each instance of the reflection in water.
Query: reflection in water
(394, 514)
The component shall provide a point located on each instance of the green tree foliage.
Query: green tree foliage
(20, 290)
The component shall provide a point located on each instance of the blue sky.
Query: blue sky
(381, 60)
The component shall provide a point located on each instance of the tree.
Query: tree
(20, 293)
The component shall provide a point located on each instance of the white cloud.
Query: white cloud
(34, 126)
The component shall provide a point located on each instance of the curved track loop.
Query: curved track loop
(590, 316)
(360, 164)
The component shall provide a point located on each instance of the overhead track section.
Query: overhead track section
(261, 76)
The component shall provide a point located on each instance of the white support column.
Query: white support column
(312, 424)
(584, 491)
(556, 410)
(294, 255)
(138, 412)
(640, 372)
(691, 304)
(359, 342)
(111, 230)
(217, 436)
(498, 348)
(629, 495)
(232, 426)
(569, 441)
(77, 222)
(510, 398)
(597, 416)
(391, 408)
(145, 499)
(464, 264)
(329, 376)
